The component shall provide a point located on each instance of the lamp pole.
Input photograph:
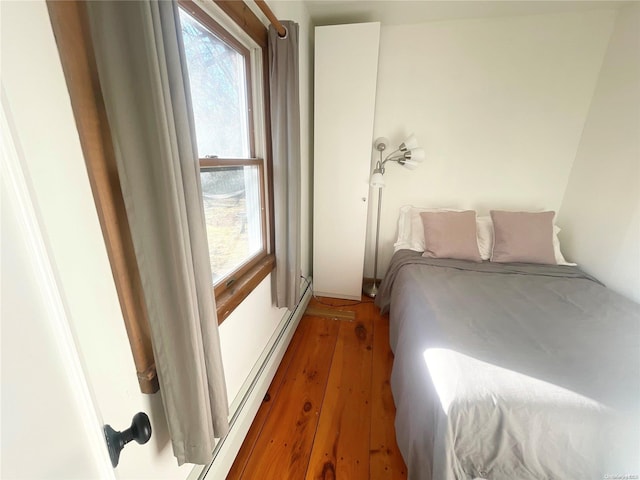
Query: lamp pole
(372, 290)
(408, 155)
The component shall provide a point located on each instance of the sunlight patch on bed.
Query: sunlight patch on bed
(461, 380)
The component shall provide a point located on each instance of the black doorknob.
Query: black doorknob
(140, 431)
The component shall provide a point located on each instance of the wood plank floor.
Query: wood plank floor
(328, 413)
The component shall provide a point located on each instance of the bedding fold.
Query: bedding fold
(410, 257)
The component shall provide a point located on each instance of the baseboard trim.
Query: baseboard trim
(227, 448)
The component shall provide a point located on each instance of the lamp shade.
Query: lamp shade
(417, 155)
(410, 143)
(377, 180)
(410, 164)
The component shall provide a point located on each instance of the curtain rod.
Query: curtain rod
(262, 5)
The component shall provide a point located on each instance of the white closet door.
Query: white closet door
(346, 68)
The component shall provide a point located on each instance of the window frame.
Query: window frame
(70, 25)
(232, 289)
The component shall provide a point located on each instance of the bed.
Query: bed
(511, 371)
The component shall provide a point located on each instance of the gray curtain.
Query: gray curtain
(285, 135)
(143, 75)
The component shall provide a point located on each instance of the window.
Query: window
(230, 123)
(69, 21)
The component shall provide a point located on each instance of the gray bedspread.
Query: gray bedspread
(512, 371)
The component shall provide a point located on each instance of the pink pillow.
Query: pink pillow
(523, 237)
(450, 235)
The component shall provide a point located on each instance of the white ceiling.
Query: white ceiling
(396, 12)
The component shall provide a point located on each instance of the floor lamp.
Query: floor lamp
(408, 155)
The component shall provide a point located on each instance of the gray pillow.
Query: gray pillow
(450, 235)
(523, 237)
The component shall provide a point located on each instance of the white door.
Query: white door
(50, 428)
(51, 425)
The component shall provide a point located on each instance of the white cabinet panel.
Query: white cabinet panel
(346, 66)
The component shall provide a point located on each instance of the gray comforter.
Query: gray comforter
(512, 371)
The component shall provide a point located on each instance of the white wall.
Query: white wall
(498, 104)
(600, 213)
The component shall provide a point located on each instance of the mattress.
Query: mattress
(512, 371)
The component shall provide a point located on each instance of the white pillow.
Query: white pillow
(560, 260)
(410, 228)
(484, 228)
(411, 233)
(404, 229)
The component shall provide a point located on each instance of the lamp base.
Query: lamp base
(370, 290)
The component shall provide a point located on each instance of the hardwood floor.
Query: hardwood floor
(328, 413)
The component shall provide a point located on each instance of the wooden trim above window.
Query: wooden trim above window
(240, 13)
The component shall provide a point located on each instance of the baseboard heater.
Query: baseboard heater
(246, 405)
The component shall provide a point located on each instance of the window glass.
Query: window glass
(218, 81)
(232, 207)
(233, 182)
